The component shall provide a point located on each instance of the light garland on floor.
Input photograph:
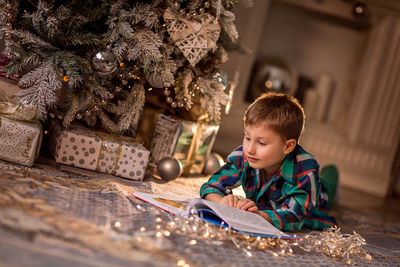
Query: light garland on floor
(330, 242)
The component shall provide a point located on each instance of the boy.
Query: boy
(280, 179)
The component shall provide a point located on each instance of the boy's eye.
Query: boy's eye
(262, 143)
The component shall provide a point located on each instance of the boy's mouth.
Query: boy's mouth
(251, 159)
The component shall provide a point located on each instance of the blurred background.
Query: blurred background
(341, 59)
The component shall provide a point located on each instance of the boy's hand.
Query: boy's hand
(247, 204)
(233, 201)
(229, 200)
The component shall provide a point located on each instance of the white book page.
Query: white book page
(239, 219)
(172, 204)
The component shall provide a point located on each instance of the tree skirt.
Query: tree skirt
(54, 214)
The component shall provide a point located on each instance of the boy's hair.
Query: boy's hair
(281, 113)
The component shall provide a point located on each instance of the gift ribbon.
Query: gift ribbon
(18, 112)
(201, 29)
(103, 143)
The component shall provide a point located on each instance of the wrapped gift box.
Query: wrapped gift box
(201, 146)
(94, 150)
(20, 141)
(171, 138)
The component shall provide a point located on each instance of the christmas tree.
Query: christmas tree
(100, 61)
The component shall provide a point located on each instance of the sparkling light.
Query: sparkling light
(330, 242)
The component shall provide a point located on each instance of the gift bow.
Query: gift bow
(19, 112)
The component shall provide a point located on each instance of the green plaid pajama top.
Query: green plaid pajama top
(292, 198)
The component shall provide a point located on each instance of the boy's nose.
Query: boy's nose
(251, 148)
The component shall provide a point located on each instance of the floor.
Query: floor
(378, 220)
(53, 213)
(386, 209)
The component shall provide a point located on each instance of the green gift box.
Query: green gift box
(172, 137)
(187, 141)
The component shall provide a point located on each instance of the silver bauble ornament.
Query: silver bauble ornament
(221, 77)
(169, 168)
(213, 163)
(155, 80)
(104, 63)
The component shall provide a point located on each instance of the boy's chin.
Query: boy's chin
(255, 165)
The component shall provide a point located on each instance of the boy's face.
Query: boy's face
(264, 148)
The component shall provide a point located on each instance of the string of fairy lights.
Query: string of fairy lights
(331, 242)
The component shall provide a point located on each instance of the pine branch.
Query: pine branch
(70, 63)
(92, 84)
(14, 67)
(213, 97)
(122, 29)
(143, 14)
(119, 49)
(73, 109)
(166, 69)
(37, 17)
(145, 47)
(27, 38)
(226, 21)
(182, 93)
(107, 123)
(131, 108)
(194, 4)
(41, 87)
(118, 24)
(84, 39)
(91, 119)
(112, 108)
(31, 59)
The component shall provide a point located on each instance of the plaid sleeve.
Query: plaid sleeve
(299, 200)
(227, 177)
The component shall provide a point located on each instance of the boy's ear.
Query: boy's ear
(289, 146)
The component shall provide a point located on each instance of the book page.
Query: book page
(238, 219)
(174, 205)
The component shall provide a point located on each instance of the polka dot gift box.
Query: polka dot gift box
(19, 141)
(94, 150)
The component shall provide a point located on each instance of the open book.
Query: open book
(244, 222)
